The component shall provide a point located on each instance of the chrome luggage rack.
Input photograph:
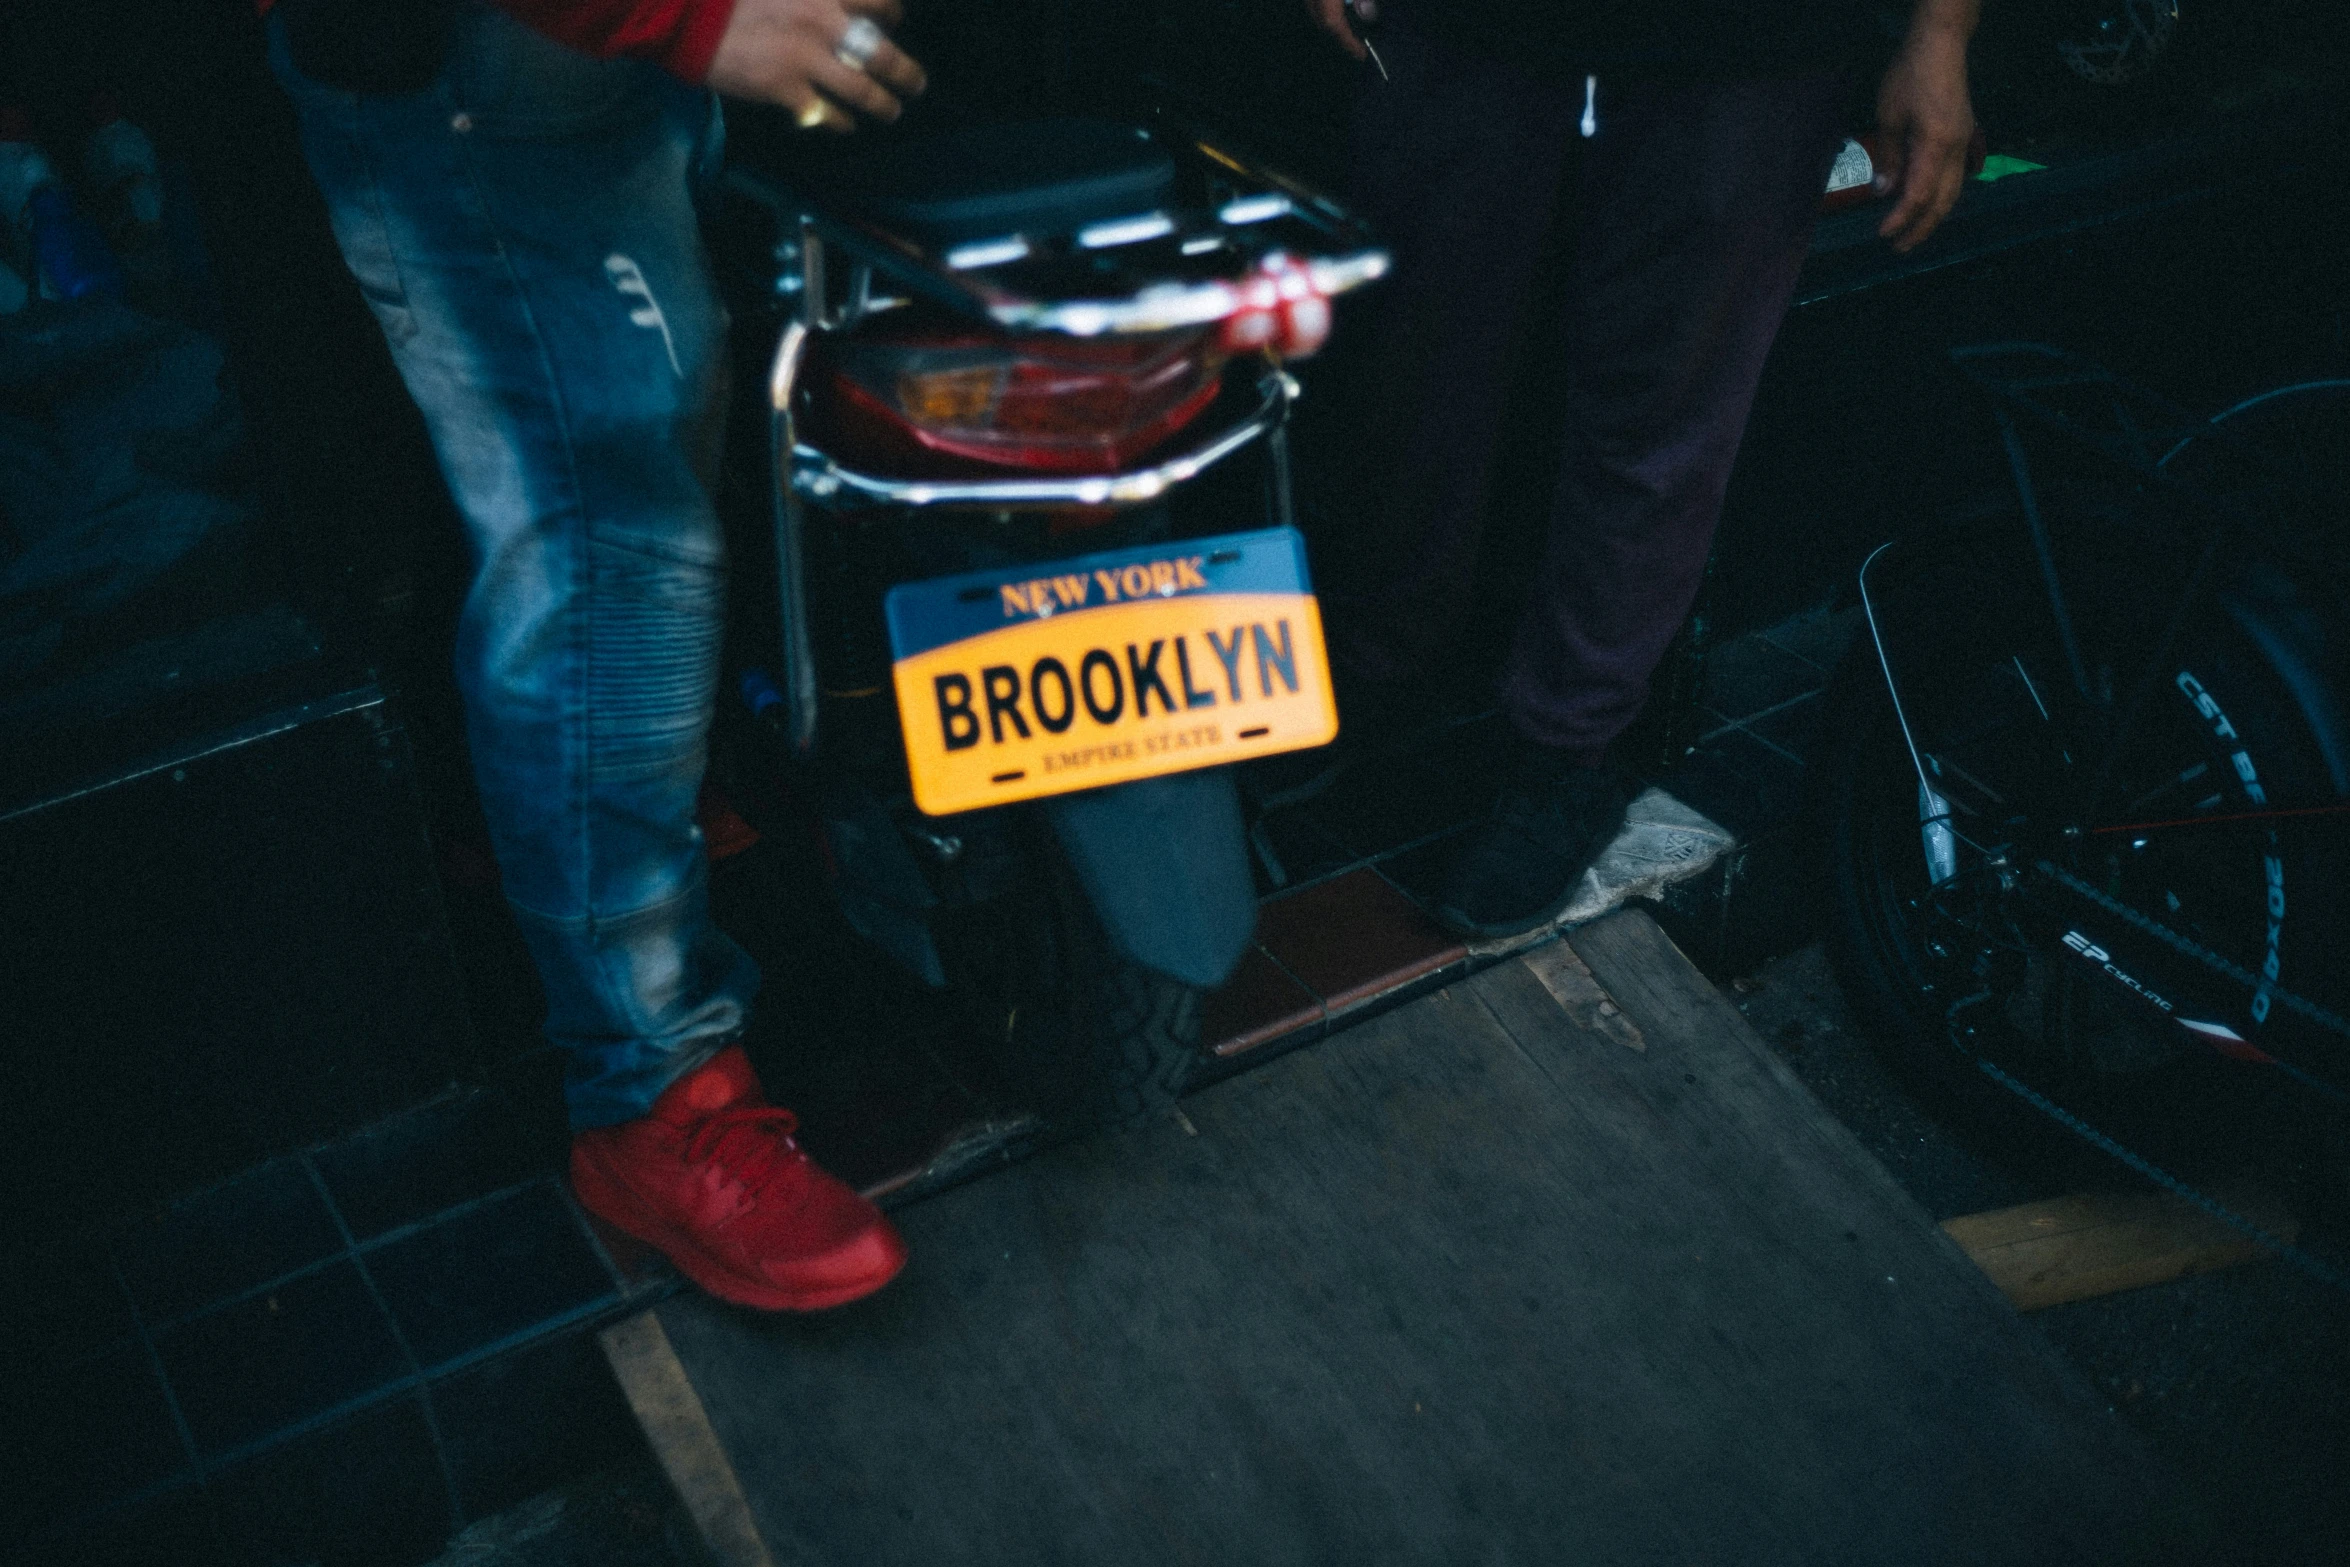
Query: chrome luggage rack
(1153, 271)
(1178, 265)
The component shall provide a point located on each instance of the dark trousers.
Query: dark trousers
(1692, 210)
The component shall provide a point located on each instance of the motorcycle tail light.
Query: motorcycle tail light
(906, 395)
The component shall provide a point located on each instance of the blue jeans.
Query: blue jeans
(524, 230)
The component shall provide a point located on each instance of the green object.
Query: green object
(1999, 166)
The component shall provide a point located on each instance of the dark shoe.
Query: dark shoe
(714, 1179)
(1521, 865)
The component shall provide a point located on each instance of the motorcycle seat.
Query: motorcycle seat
(1032, 177)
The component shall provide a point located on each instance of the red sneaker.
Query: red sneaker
(712, 1178)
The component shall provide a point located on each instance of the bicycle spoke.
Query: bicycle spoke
(2165, 787)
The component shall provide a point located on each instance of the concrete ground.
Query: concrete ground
(2242, 1379)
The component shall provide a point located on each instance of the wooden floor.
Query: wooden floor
(1559, 1266)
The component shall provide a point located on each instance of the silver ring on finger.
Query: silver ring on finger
(859, 42)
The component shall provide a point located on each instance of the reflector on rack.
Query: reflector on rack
(919, 395)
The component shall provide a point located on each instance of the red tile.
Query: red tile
(1258, 1004)
(1354, 938)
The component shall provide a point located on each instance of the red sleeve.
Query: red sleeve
(681, 35)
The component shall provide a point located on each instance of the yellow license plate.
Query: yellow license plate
(1105, 668)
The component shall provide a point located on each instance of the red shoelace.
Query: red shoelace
(753, 1143)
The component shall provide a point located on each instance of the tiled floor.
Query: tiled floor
(1761, 705)
(1324, 955)
(1751, 769)
(1262, 1002)
(343, 1354)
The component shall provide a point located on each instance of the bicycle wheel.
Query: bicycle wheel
(2279, 792)
(2213, 824)
(2181, 822)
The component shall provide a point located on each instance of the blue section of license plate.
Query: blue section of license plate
(930, 614)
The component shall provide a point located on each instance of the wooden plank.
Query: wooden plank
(677, 1427)
(1467, 1283)
(2078, 1247)
(1587, 1005)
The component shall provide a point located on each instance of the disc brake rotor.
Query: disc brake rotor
(2123, 42)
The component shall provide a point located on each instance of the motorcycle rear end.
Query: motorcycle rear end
(1027, 496)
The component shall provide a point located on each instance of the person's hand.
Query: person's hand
(1332, 15)
(782, 52)
(1925, 120)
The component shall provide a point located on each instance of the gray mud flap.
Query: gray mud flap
(1165, 861)
(881, 893)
